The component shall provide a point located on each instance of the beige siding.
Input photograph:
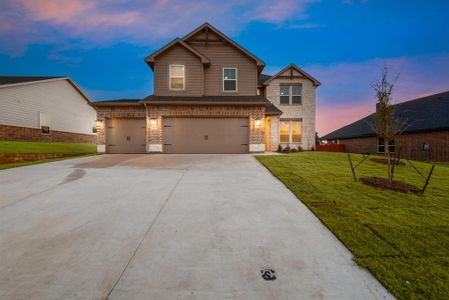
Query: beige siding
(305, 111)
(225, 55)
(67, 110)
(193, 72)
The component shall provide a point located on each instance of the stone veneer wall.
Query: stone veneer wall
(16, 133)
(304, 111)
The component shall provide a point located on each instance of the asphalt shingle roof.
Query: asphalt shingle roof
(422, 114)
(262, 78)
(208, 99)
(272, 110)
(21, 79)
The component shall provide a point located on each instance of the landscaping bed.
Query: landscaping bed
(385, 161)
(394, 185)
(401, 238)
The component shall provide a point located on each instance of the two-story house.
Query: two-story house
(210, 96)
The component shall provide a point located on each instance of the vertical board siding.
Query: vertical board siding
(178, 55)
(67, 109)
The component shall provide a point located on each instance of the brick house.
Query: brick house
(210, 96)
(425, 137)
(52, 109)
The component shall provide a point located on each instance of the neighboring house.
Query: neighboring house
(210, 96)
(45, 109)
(425, 136)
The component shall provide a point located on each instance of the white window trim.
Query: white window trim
(236, 79)
(183, 77)
(290, 132)
(290, 93)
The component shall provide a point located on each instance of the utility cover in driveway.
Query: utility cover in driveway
(126, 135)
(206, 135)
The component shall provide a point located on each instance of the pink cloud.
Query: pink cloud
(102, 22)
(346, 93)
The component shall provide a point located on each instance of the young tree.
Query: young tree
(386, 126)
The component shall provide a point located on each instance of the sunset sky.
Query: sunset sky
(101, 44)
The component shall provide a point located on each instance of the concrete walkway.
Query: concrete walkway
(166, 227)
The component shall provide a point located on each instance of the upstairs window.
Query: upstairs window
(177, 77)
(285, 94)
(229, 79)
(290, 94)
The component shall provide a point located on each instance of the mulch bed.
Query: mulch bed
(385, 161)
(394, 186)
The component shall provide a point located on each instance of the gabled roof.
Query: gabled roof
(114, 102)
(7, 80)
(295, 67)
(259, 62)
(429, 113)
(150, 58)
(262, 78)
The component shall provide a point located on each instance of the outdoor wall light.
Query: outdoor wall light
(257, 123)
(153, 123)
(98, 123)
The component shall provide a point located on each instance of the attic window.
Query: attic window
(177, 77)
(229, 79)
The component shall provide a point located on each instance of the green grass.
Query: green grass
(403, 239)
(36, 162)
(44, 147)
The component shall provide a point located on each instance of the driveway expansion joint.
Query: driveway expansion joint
(146, 233)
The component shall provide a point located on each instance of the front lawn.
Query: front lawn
(403, 239)
(36, 162)
(45, 147)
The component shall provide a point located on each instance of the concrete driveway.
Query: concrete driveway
(166, 227)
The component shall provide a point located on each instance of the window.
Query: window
(381, 146)
(177, 77)
(290, 131)
(290, 94)
(44, 123)
(296, 131)
(285, 132)
(285, 94)
(296, 94)
(229, 79)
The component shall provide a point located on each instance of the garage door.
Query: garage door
(126, 135)
(206, 135)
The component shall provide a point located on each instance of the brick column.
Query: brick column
(101, 139)
(154, 130)
(256, 129)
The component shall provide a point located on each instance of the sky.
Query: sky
(101, 44)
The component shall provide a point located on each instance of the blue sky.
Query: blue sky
(344, 44)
